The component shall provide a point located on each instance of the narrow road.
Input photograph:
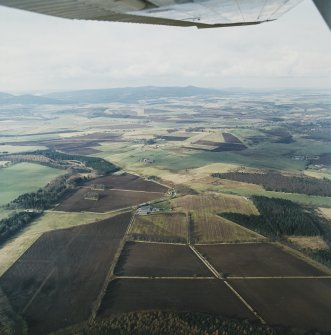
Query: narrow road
(204, 261)
(218, 276)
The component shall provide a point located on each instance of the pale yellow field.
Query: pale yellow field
(208, 226)
(163, 224)
(198, 178)
(326, 212)
(318, 173)
(311, 242)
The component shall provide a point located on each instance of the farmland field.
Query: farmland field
(23, 178)
(160, 260)
(108, 200)
(208, 226)
(128, 182)
(196, 295)
(256, 260)
(16, 246)
(63, 268)
(300, 303)
(160, 227)
(55, 270)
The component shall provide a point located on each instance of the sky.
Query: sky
(42, 53)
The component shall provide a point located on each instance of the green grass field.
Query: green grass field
(22, 178)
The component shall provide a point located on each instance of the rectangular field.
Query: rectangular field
(160, 260)
(128, 182)
(164, 227)
(57, 280)
(298, 303)
(194, 295)
(256, 260)
(208, 226)
(108, 200)
(23, 178)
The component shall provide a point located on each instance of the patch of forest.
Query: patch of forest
(43, 198)
(184, 323)
(278, 217)
(324, 159)
(274, 181)
(59, 159)
(14, 223)
(282, 136)
(321, 255)
(100, 165)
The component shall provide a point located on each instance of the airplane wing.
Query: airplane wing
(199, 13)
(324, 6)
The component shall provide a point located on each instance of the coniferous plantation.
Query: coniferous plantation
(57, 159)
(44, 198)
(100, 165)
(14, 223)
(273, 181)
(278, 217)
(164, 323)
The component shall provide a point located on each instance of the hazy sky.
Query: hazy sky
(40, 52)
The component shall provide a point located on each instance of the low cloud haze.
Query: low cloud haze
(45, 53)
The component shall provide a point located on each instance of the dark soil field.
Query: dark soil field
(55, 283)
(195, 295)
(128, 182)
(325, 159)
(256, 260)
(81, 145)
(230, 147)
(108, 200)
(174, 138)
(160, 260)
(221, 147)
(299, 303)
(229, 138)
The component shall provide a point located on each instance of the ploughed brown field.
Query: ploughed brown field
(159, 260)
(174, 138)
(80, 145)
(299, 303)
(256, 260)
(56, 281)
(108, 200)
(195, 295)
(128, 182)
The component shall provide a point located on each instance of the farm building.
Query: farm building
(147, 209)
(92, 196)
(98, 187)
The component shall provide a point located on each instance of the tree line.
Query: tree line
(11, 225)
(100, 165)
(43, 198)
(278, 217)
(277, 182)
(184, 323)
(62, 160)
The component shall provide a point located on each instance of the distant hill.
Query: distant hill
(127, 94)
(4, 95)
(27, 99)
(130, 94)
